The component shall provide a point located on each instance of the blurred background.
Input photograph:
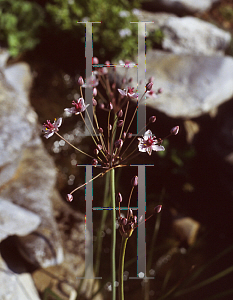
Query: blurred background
(189, 55)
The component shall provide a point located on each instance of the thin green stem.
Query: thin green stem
(113, 248)
(121, 268)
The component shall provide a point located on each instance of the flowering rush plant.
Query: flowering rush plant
(114, 144)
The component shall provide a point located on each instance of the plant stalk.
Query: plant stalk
(121, 268)
(113, 248)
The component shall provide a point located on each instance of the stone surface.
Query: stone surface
(17, 118)
(71, 225)
(192, 85)
(16, 286)
(15, 220)
(31, 188)
(181, 6)
(187, 35)
(28, 174)
(190, 35)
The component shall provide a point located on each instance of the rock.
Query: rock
(71, 225)
(11, 216)
(180, 6)
(28, 174)
(190, 35)
(31, 188)
(17, 118)
(192, 85)
(187, 35)
(16, 286)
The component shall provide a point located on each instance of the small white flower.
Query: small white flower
(149, 143)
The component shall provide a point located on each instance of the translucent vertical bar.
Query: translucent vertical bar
(89, 273)
(88, 90)
(141, 74)
(141, 247)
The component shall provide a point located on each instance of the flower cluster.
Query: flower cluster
(113, 143)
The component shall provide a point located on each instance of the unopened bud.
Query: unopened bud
(174, 130)
(129, 135)
(124, 135)
(135, 219)
(101, 105)
(69, 198)
(130, 213)
(120, 123)
(100, 130)
(149, 86)
(94, 162)
(124, 221)
(110, 127)
(152, 119)
(99, 147)
(119, 197)
(110, 106)
(134, 181)
(80, 80)
(95, 61)
(94, 92)
(119, 143)
(96, 151)
(107, 63)
(94, 102)
(157, 209)
(120, 113)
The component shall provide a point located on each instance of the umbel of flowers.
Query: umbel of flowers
(115, 144)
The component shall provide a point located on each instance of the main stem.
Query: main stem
(121, 268)
(113, 248)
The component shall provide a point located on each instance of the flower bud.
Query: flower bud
(157, 209)
(100, 130)
(124, 221)
(174, 130)
(94, 102)
(101, 105)
(94, 162)
(110, 106)
(119, 197)
(110, 127)
(149, 86)
(160, 90)
(130, 213)
(134, 181)
(119, 143)
(96, 151)
(94, 91)
(120, 123)
(124, 135)
(69, 198)
(80, 80)
(129, 135)
(99, 147)
(152, 119)
(120, 113)
(107, 63)
(95, 61)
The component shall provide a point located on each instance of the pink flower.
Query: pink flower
(50, 128)
(149, 143)
(130, 93)
(79, 106)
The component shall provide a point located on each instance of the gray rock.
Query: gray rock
(192, 85)
(31, 188)
(190, 35)
(16, 286)
(15, 220)
(17, 118)
(28, 174)
(182, 6)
